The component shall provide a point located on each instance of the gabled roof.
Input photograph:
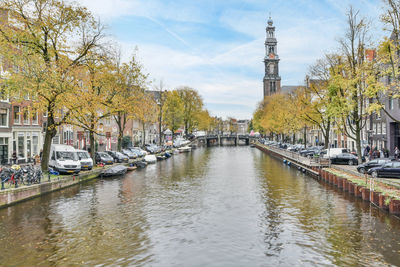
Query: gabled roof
(288, 89)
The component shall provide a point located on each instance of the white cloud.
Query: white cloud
(231, 73)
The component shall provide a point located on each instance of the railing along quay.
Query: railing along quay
(294, 156)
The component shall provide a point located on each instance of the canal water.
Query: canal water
(223, 206)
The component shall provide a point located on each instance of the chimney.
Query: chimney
(3, 16)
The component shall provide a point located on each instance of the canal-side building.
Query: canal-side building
(27, 137)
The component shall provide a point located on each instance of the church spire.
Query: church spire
(272, 80)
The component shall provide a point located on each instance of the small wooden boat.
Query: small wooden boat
(184, 149)
(131, 168)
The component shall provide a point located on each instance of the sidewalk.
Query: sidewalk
(353, 170)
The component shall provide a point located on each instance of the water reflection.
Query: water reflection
(229, 206)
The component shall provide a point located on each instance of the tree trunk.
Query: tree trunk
(144, 133)
(326, 134)
(305, 137)
(50, 133)
(92, 145)
(160, 128)
(294, 139)
(120, 136)
(358, 142)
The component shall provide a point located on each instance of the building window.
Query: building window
(3, 117)
(17, 115)
(3, 150)
(384, 128)
(390, 103)
(35, 118)
(271, 50)
(271, 34)
(108, 121)
(21, 145)
(56, 139)
(28, 145)
(26, 117)
(68, 137)
(272, 86)
(35, 143)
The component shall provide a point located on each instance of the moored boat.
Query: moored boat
(140, 163)
(161, 157)
(184, 149)
(114, 171)
(150, 159)
(131, 168)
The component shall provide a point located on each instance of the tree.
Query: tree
(173, 111)
(192, 105)
(160, 103)
(318, 96)
(388, 62)
(146, 111)
(127, 94)
(258, 117)
(90, 98)
(46, 60)
(204, 120)
(126, 141)
(350, 80)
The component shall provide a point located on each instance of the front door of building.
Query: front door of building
(4, 154)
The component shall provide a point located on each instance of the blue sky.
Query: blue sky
(217, 46)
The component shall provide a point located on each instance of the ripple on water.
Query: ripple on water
(229, 206)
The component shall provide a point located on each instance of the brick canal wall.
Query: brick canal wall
(343, 182)
(15, 195)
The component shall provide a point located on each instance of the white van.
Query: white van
(64, 159)
(332, 152)
(85, 159)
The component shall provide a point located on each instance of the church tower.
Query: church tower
(272, 80)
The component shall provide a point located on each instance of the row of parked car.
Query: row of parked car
(109, 157)
(382, 167)
(66, 159)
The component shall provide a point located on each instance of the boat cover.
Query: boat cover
(116, 170)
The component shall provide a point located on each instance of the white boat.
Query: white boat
(179, 141)
(185, 149)
(150, 158)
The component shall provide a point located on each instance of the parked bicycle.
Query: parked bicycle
(16, 175)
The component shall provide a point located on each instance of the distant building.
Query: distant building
(243, 126)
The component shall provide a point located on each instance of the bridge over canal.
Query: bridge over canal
(220, 138)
